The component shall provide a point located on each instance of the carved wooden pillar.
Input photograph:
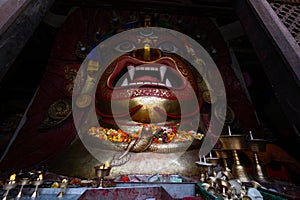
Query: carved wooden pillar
(18, 20)
(278, 52)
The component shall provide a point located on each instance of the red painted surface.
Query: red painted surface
(157, 193)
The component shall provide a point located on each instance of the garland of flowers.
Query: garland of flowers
(164, 135)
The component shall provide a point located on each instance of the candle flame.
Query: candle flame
(106, 165)
(40, 177)
(12, 177)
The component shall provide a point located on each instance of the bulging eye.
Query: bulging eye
(168, 47)
(125, 46)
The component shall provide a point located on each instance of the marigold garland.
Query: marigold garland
(164, 135)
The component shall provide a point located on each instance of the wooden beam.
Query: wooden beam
(203, 7)
(278, 52)
(16, 32)
(9, 11)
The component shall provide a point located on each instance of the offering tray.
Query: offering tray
(154, 178)
(203, 164)
(177, 186)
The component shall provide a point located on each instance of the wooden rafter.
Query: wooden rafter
(212, 8)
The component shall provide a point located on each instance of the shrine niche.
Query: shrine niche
(152, 131)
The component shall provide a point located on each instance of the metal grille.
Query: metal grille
(290, 17)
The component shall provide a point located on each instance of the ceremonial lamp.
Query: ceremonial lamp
(258, 145)
(10, 185)
(234, 143)
(63, 187)
(204, 166)
(223, 154)
(214, 161)
(23, 182)
(101, 171)
(39, 181)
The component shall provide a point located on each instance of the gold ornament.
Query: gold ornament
(58, 112)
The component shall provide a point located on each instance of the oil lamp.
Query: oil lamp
(258, 145)
(23, 182)
(235, 142)
(10, 185)
(37, 182)
(224, 155)
(101, 171)
(63, 187)
(204, 168)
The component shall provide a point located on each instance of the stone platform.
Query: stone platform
(154, 192)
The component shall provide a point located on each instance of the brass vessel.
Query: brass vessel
(23, 182)
(204, 169)
(101, 171)
(239, 171)
(36, 183)
(8, 187)
(224, 155)
(235, 143)
(258, 171)
(213, 160)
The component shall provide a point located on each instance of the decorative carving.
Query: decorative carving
(70, 75)
(58, 112)
(81, 50)
(289, 13)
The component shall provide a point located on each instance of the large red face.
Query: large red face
(147, 86)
